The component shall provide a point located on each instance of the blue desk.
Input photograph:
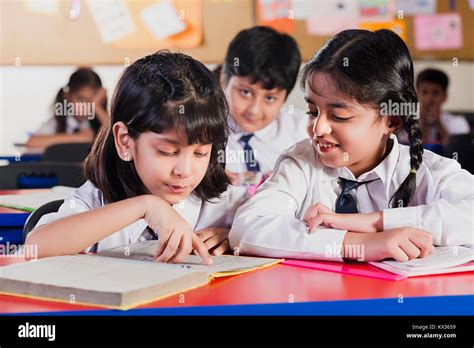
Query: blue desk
(27, 157)
(11, 225)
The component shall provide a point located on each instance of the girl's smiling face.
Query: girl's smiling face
(344, 132)
(168, 167)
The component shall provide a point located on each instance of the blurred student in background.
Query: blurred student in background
(437, 125)
(259, 72)
(78, 111)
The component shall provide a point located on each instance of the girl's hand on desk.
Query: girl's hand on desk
(215, 238)
(401, 244)
(176, 239)
(320, 215)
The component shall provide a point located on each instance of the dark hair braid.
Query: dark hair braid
(407, 189)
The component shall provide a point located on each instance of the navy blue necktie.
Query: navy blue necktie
(250, 160)
(345, 202)
(152, 233)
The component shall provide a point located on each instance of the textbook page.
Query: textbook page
(442, 260)
(222, 265)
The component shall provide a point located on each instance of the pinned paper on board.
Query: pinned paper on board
(398, 26)
(112, 19)
(376, 10)
(274, 9)
(415, 7)
(438, 32)
(49, 7)
(276, 14)
(303, 9)
(162, 20)
(174, 24)
(332, 17)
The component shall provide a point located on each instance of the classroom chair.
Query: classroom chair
(25, 175)
(67, 152)
(50, 207)
(461, 148)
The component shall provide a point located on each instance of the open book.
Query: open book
(449, 259)
(113, 280)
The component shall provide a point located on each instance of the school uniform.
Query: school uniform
(270, 223)
(453, 125)
(72, 126)
(217, 212)
(266, 144)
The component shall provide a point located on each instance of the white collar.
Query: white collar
(262, 134)
(385, 170)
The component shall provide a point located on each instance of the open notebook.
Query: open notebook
(449, 259)
(120, 278)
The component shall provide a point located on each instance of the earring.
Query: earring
(391, 136)
(126, 156)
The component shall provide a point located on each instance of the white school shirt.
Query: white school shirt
(267, 143)
(454, 124)
(49, 127)
(218, 212)
(270, 223)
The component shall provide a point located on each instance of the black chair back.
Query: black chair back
(461, 148)
(67, 152)
(50, 207)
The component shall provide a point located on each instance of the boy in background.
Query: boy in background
(259, 72)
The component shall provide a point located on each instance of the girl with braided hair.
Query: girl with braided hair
(352, 191)
(154, 171)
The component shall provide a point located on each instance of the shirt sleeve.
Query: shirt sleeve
(267, 224)
(449, 209)
(72, 205)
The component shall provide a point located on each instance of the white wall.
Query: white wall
(26, 94)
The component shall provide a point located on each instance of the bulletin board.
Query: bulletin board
(309, 44)
(38, 39)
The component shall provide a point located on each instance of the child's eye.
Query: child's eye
(270, 98)
(245, 92)
(340, 119)
(199, 154)
(168, 154)
(313, 114)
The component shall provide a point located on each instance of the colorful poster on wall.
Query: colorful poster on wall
(438, 32)
(276, 14)
(162, 20)
(331, 17)
(397, 25)
(415, 7)
(112, 19)
(376, 10)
